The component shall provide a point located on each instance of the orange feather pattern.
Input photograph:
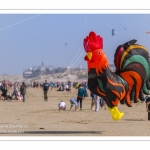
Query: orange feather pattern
(100, 92)
(128, 76)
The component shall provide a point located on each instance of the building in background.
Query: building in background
(37, 71)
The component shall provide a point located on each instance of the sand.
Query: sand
(36, 117)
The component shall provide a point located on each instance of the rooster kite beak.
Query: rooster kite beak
(89, 55)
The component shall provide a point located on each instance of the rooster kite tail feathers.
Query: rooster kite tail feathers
(134, 59)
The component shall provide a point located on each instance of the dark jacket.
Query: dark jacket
(45, 86)
(4, 88)
(23, 89)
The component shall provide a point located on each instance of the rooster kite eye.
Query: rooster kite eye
(98, 53)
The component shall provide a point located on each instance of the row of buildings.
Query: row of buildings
(43, 70)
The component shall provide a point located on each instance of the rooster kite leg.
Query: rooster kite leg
(116, 114)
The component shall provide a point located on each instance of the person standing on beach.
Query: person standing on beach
(101, 103)
(86, 89)
(23, 91)
(45, 89)
(92, 102)
(80, 95)
(96, 98)
(4, 89)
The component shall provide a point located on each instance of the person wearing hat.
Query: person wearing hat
(147, 101)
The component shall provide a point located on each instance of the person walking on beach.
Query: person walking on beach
(80, 95)
(45, 89)
(23, 91)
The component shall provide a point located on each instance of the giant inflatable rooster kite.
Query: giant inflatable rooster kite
(132, 63)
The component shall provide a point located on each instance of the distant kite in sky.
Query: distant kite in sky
(147, 32)
(113, 32)
(66, 44)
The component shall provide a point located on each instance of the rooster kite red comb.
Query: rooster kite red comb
(93, 42)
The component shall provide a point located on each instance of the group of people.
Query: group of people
(81, 94)
(17, 94)
(46, 87)
(66, 87)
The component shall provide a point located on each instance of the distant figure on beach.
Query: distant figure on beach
(80, 95)
(15, 92)
(68, 89)
(23, 91)
(73, 101)
(69, 84)
(4, 89)
(92, 100)
(96, 98)
(85, 88)
(0, 85)
(101, 103)
(45, 89)
(62, 105)
(61, 88)
(147, 101)
(51, 85)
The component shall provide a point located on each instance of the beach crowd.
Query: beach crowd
(19, 92)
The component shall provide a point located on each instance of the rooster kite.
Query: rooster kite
(132, 63)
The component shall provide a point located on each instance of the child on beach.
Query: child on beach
(62, 105)
(80, 95)
(73, 101)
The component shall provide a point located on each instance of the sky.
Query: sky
(27, 40)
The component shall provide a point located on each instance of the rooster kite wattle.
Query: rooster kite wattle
(133, 70)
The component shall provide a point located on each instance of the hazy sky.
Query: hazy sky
(28, 39)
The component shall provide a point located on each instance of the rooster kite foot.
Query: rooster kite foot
(116, 114)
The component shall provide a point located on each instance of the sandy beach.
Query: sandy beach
(36, 117)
